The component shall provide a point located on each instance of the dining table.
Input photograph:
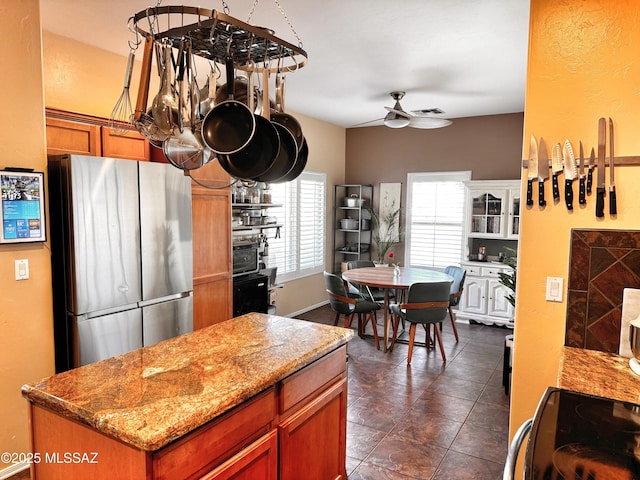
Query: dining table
(386, 279)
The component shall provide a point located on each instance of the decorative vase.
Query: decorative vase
(396, 271)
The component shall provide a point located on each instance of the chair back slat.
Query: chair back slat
(428, 293)
(341, 298)
(459, 274)
(335, 286)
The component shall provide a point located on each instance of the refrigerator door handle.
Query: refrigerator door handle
(514, 449)
(107, 311)
(166, 298)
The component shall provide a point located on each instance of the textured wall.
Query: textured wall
(582, 65)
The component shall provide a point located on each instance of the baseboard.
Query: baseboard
(307, 309)
(11, 470)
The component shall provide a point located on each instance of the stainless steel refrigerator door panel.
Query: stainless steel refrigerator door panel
(104, 337)
(165, 217)
(167, 319)
(105, 253)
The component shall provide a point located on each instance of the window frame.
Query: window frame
(320, 179)
(461, 176)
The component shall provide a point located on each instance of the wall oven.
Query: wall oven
(246, 258)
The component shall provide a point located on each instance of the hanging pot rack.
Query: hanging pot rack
(216, 35)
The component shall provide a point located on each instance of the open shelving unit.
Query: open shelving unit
(351, 224)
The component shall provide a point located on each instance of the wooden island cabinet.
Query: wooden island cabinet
(258, 397)
(80, 134)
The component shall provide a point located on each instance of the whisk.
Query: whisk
(122, 113)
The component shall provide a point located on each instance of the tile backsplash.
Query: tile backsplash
(602, 264)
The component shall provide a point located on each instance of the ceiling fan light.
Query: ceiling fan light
(393, 120)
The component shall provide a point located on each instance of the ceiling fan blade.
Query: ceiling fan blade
(366, 123)
(426, 111)
(399, 112)
(428, 122)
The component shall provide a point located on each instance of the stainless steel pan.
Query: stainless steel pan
(229, 126)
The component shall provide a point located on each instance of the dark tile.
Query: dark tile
(580, 258)
(613, 281)
(399, 454)
(368, 471)
(361, 440)
(495, 395)
(576, 318)
(604, 335)
(453, 408)
(601, 260)
(481, 442)
(460, 466)
(421, 427)
(457, 387)
(491, 416)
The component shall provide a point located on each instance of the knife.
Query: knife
(613, 208)
(600, 189)
(556, 167)
(569, 163)
(532, 169)
(592, 163)
(543, 171)
(582, 199)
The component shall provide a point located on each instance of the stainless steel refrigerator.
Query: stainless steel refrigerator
(121, 256)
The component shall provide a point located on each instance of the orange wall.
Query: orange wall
(583, 64)
(26, 336)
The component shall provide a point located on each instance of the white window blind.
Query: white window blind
(435, 218)
(300, 249)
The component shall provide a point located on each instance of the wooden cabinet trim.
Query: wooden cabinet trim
(265, 449)
(319, 426)
(215, 442)
(303, 384)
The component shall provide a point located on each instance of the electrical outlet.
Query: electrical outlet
(22, 269)
(554, 289)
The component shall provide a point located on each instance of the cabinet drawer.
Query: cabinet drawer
(216, 441)
(491, 271)
(473, 270)
(259, 460)
(312, 378)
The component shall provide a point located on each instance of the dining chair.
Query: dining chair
(427, 304)
(349, 306)
(459, 274)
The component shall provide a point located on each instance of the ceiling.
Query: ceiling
(466, 57)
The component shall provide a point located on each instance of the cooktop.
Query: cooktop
(583, 437)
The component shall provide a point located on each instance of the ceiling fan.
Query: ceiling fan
(399, 118)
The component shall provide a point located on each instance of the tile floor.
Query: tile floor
(428, 421)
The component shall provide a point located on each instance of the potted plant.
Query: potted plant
(385, 232)
(509, 279)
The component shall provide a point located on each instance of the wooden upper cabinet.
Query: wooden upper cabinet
(64, 136)
(128, 145)
(80, 134)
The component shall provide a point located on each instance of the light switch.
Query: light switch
(22, 269)
(554, 289)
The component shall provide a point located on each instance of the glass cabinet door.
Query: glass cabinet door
(514, 213)
(487, 213)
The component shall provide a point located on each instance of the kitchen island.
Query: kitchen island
(257, 396)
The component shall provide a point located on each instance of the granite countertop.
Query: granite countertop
(152, 396)
(598, 373)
